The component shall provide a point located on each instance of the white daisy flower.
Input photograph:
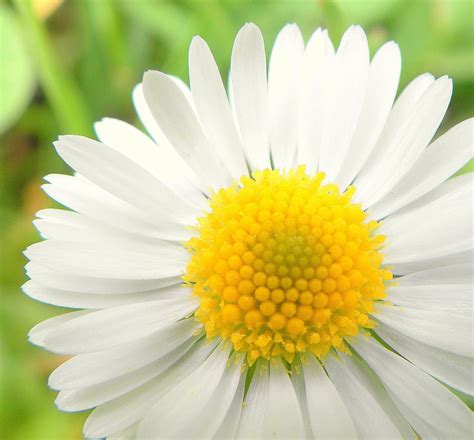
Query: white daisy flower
(291, 262)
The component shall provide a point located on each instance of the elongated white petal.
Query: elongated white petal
(39, 332)
(127, 434)
(283, 95)
(421, 395)
(190, 400)
(107, 261)
(350, 72)
(87, 369)
(124, 178)
(255, 404)
(86, 198)
(137, 146)
(367, 378)
(214, 109)
(450, 368)
(249, 84)
(403, 107)
(90, 285)
(149, 122)
(221, 409)
(230, 423)
(170, 155)
(80, 300)
(406, 146)
(298, 382)
(316, 84)
(438, 162)
(283, 418)
(179, 122)
(382, 83)
(328, 414)
(457, 274)
(445, 330)
(79, 399)
(446, 220)
(449, 298)
(433, 263)
(126, 410)
(59, 224)
(112, 327)
(369, 416)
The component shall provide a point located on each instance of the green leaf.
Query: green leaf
(17, 78)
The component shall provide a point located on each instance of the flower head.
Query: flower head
(291, 262)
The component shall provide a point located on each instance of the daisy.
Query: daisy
(291, 261)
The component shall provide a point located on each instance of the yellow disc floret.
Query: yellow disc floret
(284, 264)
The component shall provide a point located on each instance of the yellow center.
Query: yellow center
(284, 264)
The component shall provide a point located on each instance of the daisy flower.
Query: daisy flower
(292, 260)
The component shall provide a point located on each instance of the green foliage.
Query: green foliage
(62, 73)
(17, 76)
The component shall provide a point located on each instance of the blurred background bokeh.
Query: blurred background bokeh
(67, 63)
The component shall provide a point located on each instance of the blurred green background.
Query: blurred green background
(67, 63)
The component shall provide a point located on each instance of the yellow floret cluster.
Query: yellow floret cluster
(284, 264)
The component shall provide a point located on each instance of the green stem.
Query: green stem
(60, 89)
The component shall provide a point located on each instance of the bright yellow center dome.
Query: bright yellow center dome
(284, 265)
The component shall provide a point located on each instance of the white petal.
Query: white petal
(283, 93)
(368, 414)
(438, 162)
(434, 263)
(447, 225)
(444, 330)
(124, 178)
(407, 144)
(230, 423)
(314, 98)
(327, 413)
(85, 370)
(422, 395)
(255, 404)
(249, 83)
(452, 298)
(298, 382)
(283, 418)
(137, 146)
(79, 300)
(59, 224)
(214, 109)
(39, 332)
(450, 368)
(79, 399)
(191, 401)
(350, 74)
(111, 327)
(149, 122)
(84, 197)
(449, 189)
(224, 405)
(172, 158)
(108, 286)
(127, 434)
(124, 411)
(179, 122)
(453, 274)
(403, 107)
(384, 74)
(366, 376)
(107, 261)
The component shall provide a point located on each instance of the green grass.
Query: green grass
(62, 73)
